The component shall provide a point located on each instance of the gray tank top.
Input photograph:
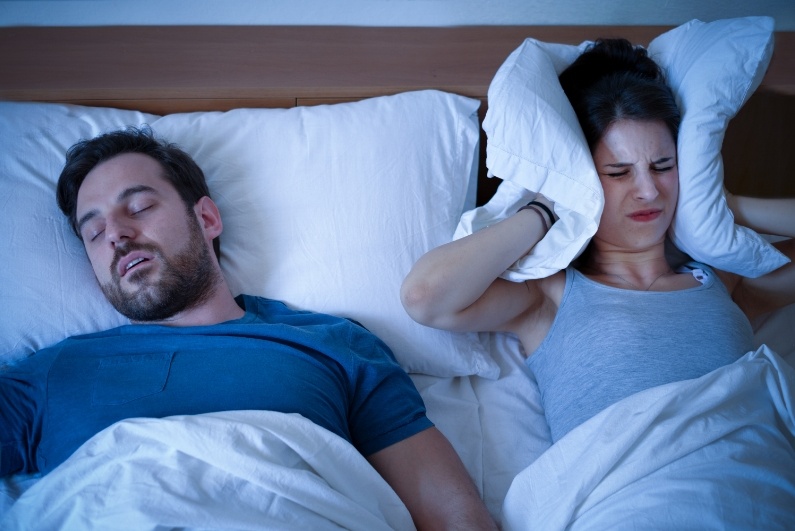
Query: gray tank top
(608, 343)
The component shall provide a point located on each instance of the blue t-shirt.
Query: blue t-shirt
(328, 369)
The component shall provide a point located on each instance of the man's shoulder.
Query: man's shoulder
(47, 355)
(340, 327)
(273, 314)
(99, 334)
(276, 311)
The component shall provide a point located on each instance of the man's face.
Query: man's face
(149, 253)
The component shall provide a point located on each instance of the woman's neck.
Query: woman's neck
(635, 270)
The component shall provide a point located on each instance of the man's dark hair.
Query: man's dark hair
(179, 168)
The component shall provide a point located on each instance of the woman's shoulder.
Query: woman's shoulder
(532, 325)
(554, 285)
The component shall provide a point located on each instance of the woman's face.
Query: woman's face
(636, 162)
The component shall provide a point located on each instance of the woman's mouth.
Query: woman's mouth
(645, 215)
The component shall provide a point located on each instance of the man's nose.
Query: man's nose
(118, 230)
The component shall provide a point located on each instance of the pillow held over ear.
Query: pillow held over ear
(535, 144)
(713, 68)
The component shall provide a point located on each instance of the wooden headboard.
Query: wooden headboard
(165, 69)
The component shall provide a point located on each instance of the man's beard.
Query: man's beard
(186, 280)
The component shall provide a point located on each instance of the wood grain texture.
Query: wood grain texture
(268, 66)
(162, 69)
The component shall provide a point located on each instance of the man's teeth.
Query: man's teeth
(134, 263)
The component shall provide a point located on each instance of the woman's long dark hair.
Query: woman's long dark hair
(614, 80)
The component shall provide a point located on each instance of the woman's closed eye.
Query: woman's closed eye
(615, 170)
(663, 165)
(663, 169)
(617, 174)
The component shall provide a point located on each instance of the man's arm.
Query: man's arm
(430, 479)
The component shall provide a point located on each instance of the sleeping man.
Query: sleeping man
(142, 209)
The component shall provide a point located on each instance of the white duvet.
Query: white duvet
(717, 452)
(712, 453)
(231, 470)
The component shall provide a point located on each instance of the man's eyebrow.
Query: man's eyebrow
(126, 193)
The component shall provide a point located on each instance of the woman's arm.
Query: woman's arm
(767, 216)
(456, 286)
(777, 288)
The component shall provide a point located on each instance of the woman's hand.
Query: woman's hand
(457, 286)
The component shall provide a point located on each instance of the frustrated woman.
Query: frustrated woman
(625, 316)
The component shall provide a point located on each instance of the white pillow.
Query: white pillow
(47, 287)
(324, 207)
(713, 68)
(535, 143)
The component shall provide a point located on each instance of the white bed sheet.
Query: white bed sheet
(496, 426)
(504, 431)
(714, 452)
(229, 470)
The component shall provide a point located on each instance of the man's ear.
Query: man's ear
(209, 217)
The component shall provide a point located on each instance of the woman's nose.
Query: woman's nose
(645, 186)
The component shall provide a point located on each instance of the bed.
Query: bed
(337, 156)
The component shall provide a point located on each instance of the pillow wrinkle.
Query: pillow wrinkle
(535, 144)
(324, 207)
(713, 68)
